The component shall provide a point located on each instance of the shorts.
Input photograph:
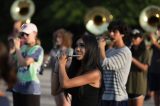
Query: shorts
(113, 103)
(134, 96)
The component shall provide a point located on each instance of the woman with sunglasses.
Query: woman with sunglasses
(29, 56)
(83, 79)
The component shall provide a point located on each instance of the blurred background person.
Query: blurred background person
(15, 32)
(16, 28)
(26, 91)
(62, 42)
(3, 67)
(10, 74)
(154, 71)
(137, 80)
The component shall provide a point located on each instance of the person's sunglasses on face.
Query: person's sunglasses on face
(23, 34)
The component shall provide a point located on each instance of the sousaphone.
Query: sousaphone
(22, 10)
(97, 20)
(150, 18)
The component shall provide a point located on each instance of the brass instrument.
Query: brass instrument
(22, 10)
(97, 20)
(149, 18)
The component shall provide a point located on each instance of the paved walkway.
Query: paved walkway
(46, 98)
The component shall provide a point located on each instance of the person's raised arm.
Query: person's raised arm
(66, 82)
(21, 60)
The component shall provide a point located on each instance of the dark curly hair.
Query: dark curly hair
(122, 27)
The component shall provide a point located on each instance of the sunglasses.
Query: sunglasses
(22, 34)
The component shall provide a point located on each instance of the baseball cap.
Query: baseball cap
(136, 33)
(29, 28)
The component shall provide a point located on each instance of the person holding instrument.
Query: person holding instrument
(83, 79)
(137, 80)
(4, 101)
(29, 57)
(154, 70)
(116, 62)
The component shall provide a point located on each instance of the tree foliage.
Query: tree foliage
(53, 14)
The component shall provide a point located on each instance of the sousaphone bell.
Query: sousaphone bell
(97, 20)
(22, 10)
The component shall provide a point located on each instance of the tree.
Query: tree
(53, 14)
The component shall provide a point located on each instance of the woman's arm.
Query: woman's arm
(145, 62)
(139, 64)
(89, 78)
(92, 78)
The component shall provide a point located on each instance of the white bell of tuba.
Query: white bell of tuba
(97, 20)
(150, 18)
(22, 10)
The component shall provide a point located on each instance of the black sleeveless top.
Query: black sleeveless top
(84, 96)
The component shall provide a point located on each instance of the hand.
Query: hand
(17, 25)
(53, 53)
(62, 59)
(12, 50)
(153, 39)
(102, 42)
(17, 43)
